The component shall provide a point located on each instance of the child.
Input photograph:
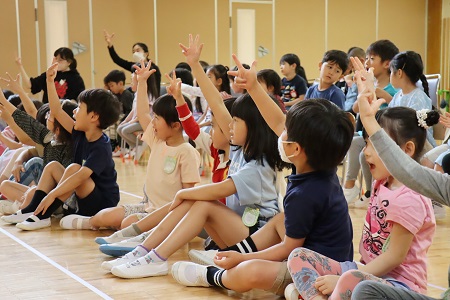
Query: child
(249, 188)
(352, 89)
(378, 56)
(68, 82)
(398, 163)
(92, 177)
(271, 83)
(332, 66)
(312, 197)
(399, 223)
(293, 86)
(115, 82)
(172, 166)
(236, 91)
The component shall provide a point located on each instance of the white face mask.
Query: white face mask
(138, 56)
(283, 155)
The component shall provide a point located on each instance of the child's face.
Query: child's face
(63, 64)
(287, 69)
(394, 78)
(235, 88)
(115, 87)
(330, 72)
(81, 116)
(219, 140)
(377, 167)
(238, 130)
(216, 81)
(161, 129)
(379, 67)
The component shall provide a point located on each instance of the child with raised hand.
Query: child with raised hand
(173, 163)
(315, 211)
(249, 188)
(92, 177)
(293, 86)
(399, 224)
(332, 67)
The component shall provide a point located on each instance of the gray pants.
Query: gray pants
(356, 160)
(126, 131)
(371, 290)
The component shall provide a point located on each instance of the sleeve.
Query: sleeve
(189, 163)
(191, 90)
(38, 83)
(302, 87)
(75, 86)
(425, 181)
(300, 213)
(350, 98)
(120, 61)
(248, 183)
(408, 211)
(35, 130)
(96, 158)
(189, 125)
(149, 136)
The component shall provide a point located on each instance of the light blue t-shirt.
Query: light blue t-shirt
(351, 96)
(255, 185)
(391, 90)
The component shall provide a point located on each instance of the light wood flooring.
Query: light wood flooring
(65, 264)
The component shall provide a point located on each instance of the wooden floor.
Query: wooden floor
(65, 264)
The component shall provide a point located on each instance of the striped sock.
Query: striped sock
(214, 276)
(244, 246)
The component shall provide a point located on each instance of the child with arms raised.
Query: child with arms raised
(399, 224)
(92, 177)
(249, 188)
(315, 210)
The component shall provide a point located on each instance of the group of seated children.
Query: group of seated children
(300, 248)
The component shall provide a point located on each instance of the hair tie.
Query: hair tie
(421, 118)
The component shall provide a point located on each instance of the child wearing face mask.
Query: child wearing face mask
(68, 81)
(140, 52)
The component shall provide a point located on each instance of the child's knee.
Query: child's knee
(301, 253)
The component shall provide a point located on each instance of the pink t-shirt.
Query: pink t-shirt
(410, 210)
(168, 168)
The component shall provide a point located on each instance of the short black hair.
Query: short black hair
(385, 49)
(64, 136)
(401, 124)
(271, 79)
(356, 52)
(337, 57)
(114, 76)
(185, 76)
(183, 65)
(322, 129)
(42, 112)
(103, 103)
(7, 93)
(261, 142)
(15, 100)
(67, 54)
(165, 107)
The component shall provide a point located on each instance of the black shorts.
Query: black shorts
(92, 203)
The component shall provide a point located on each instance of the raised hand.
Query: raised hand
(13, 84)
(174, 87)
(108, 37)
(244, 78)
(52, 71)
(367, 77)
(445, 119)
(143, 71)
(193, 51)
(18, 60)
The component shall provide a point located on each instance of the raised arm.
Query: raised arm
(143, 72)
(270, 111)
(212, 95)
(53, 100)
(26, 78)
(14, 85)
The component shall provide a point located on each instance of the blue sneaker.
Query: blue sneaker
(123, 247)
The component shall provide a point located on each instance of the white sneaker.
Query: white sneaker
(190, 274)
(8, 207)
(351, 194)
(140, 268)
(34, 223)
(291, 293)
(18, 217)
(113, 238)
(117, 152)
(363, 202)
(129, 257)
(439, 210)
(123, 247)
(203, 257)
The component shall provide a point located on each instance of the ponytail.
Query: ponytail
(425, 84)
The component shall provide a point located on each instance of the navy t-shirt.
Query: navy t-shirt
(315, 209)
(97, 156)
(333, 93)
(292, 89)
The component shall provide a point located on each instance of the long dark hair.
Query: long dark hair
(67, 54)
(411, 63)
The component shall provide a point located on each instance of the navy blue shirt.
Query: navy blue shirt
(292, 89)
(97, 156)
(333, 93)
(315, 209)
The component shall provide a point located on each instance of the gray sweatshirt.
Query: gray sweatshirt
(423, 180)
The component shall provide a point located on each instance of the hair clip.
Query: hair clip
(421, 117)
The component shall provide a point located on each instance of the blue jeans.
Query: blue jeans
(371, 290)
(33, 171)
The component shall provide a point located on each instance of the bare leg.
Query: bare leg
(12, 190)
(270, 234)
